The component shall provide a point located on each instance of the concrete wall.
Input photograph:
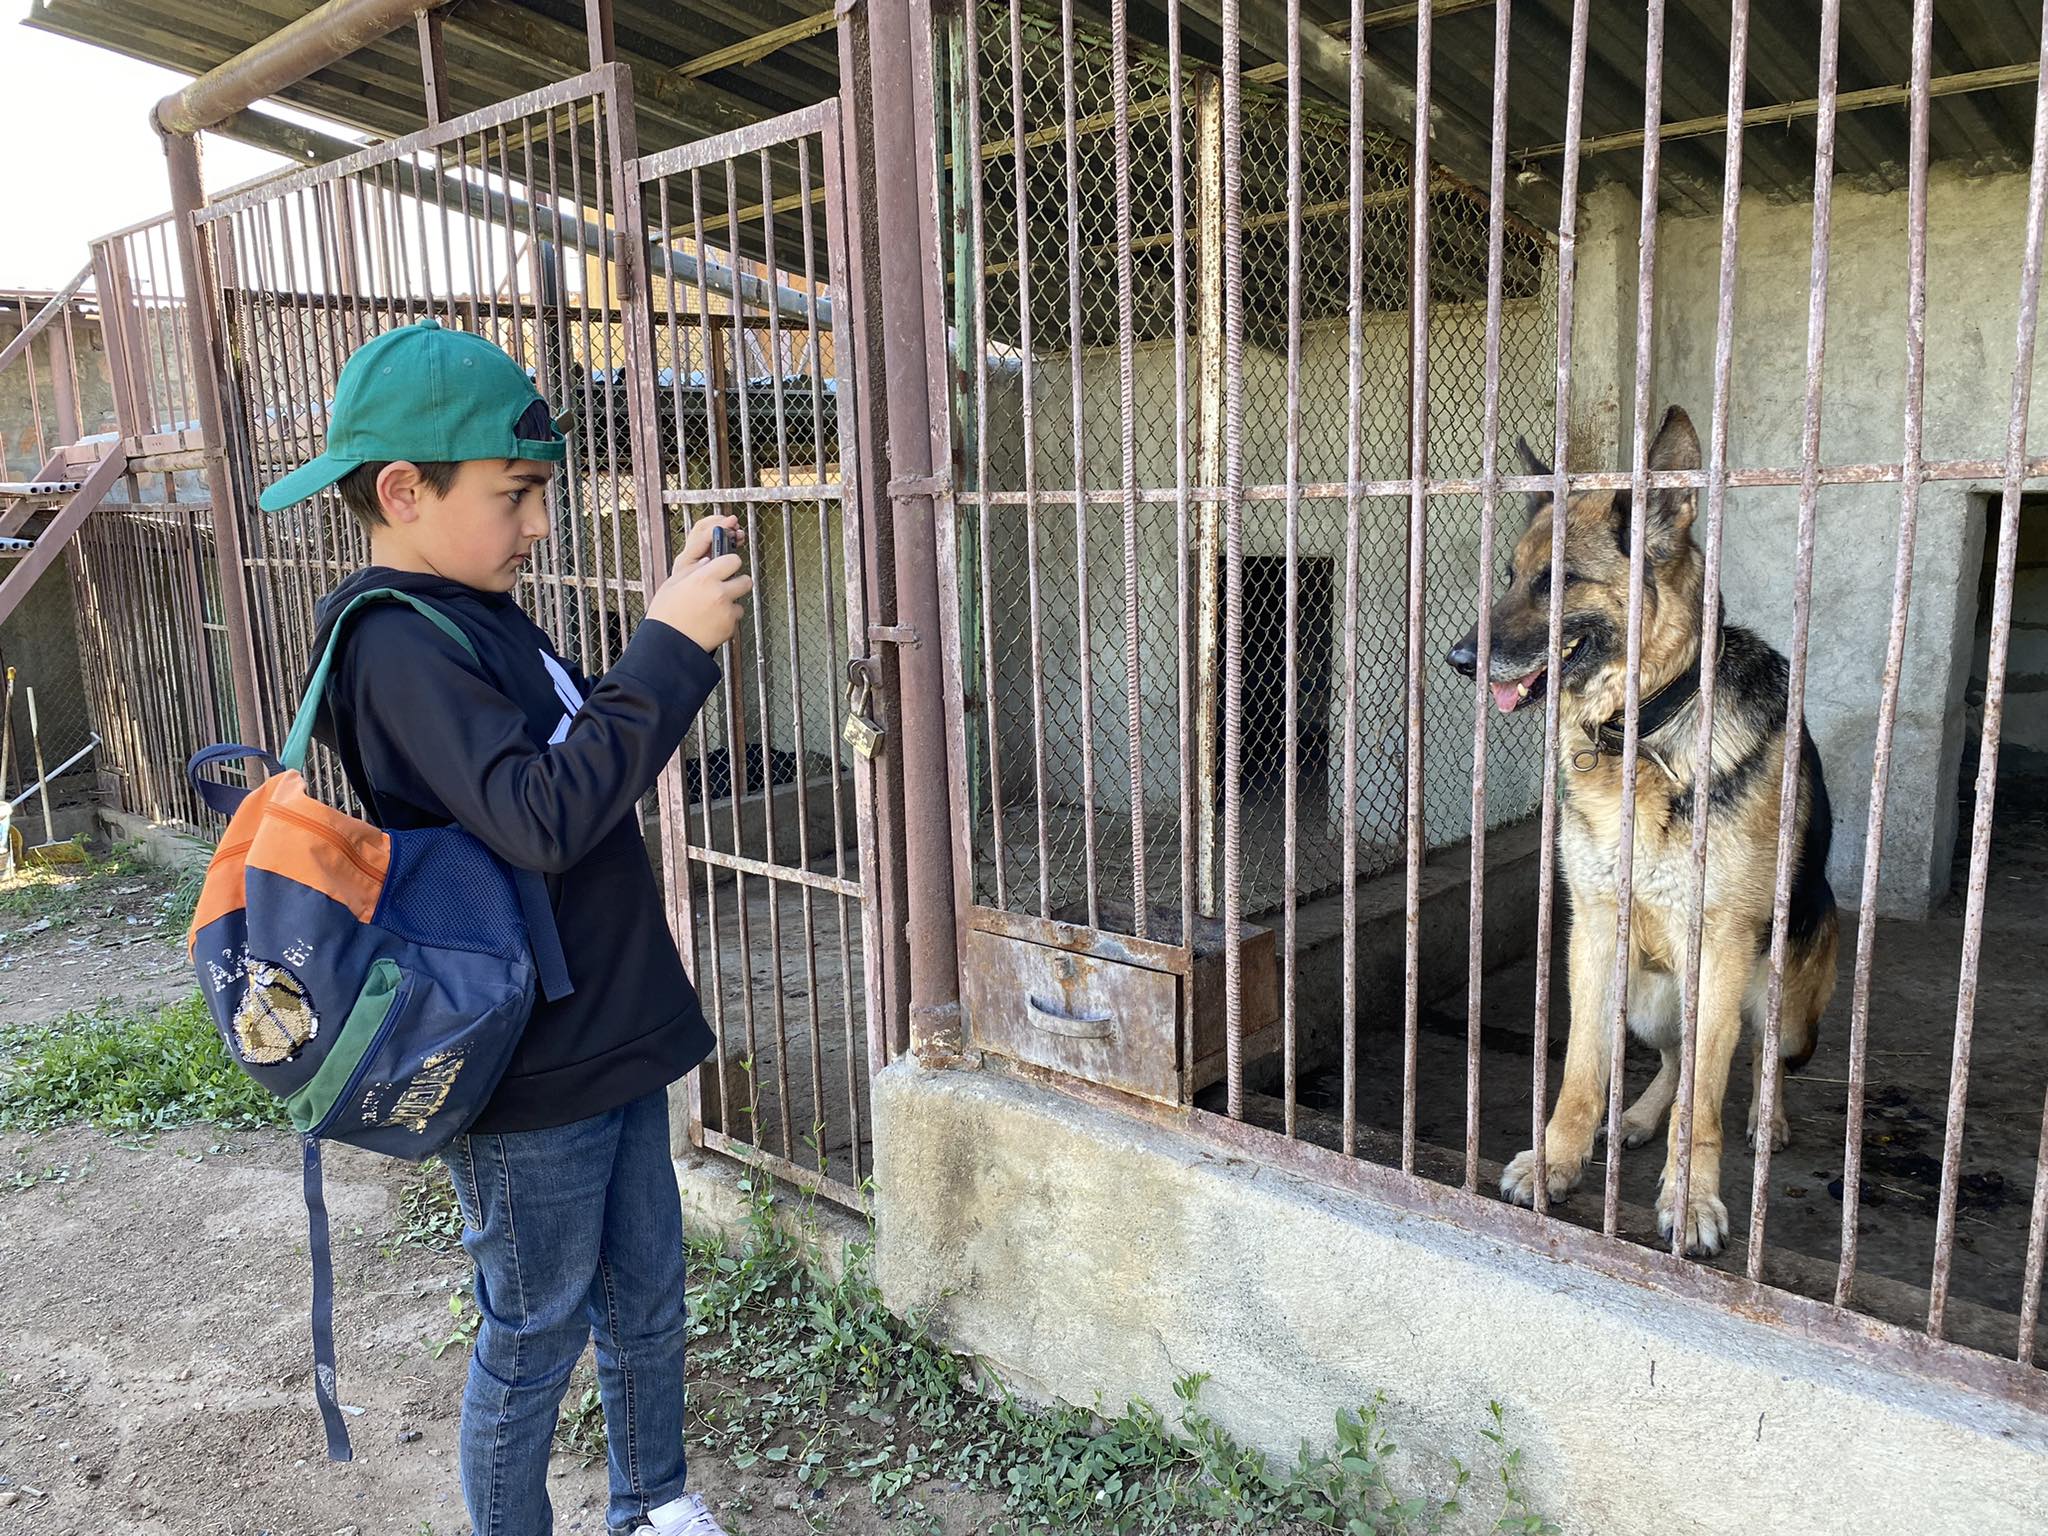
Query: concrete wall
(1089, 1256)
(1974, 242)
(1452, 557)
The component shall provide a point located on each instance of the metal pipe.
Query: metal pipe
(900, 53)
(181, 153)
(323, 36)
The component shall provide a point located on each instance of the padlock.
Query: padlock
(861, 733)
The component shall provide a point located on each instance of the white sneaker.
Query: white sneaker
(687, 1516)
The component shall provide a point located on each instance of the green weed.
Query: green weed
(147, 1072)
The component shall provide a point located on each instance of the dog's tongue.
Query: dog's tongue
(1507, 697)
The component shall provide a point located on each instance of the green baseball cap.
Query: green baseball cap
(427, 395)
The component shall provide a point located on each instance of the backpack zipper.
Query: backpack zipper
(329, 835)
(347, 1095)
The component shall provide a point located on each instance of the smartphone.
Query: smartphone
(721, 542)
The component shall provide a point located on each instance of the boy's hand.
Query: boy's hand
(701, 597)
(697, 543)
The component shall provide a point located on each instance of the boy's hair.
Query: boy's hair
(358, 487)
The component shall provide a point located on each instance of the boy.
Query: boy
(440, 445)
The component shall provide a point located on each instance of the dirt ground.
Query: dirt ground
(154, 1362)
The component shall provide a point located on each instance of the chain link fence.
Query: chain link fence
(1078, 565)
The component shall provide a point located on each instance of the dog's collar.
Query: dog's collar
(1610, 737)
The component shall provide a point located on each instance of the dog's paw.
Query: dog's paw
(1706, 1222)
(1781, 1128)
(1518, 1179)
(1638, 1133)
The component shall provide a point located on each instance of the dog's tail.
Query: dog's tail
(1809, 988)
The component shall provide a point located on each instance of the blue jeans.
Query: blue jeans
(573, 1229)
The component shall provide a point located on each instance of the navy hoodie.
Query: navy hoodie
(546, 767)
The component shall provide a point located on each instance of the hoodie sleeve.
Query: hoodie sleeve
(433, 731)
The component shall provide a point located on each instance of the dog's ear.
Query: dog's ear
(1677, 446)
(1532, 465)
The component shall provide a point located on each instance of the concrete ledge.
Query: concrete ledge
(1094, 1257)
(174, 848)
(713, 1200)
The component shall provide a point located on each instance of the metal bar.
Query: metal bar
(52, 308)
(1127, 422)
(976, 277)
(2037, 1224)
(900, 44)
(754, 49)
(324, 35)
(2003, 76)
(751, 471)
(794, 654)
(1418, 546)
(1027, 406)
(1567, 275)
(1895, 650)
(194, 257)
(1995, 688)
(751, 495)
(1210, 387)
(1354, 467)
(1615, 1079)
(1489, 511)
(1183, 670)
(433, 68)
(1233, 546)
(1682, 1110)
(1084, 650)
(597, 22)
(1291, 662)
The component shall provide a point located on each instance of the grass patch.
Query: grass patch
(793, 1372)
(144, 1073)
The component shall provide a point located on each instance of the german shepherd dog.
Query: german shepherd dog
(1742, 828)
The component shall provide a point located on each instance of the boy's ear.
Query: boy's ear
(399, 490)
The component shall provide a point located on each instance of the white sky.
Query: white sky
(80, 157)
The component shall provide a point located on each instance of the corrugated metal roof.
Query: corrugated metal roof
(497, 48)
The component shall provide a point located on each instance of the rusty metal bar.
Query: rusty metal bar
(433, 68)
(194, 256)
(900, 44)
(1026, 352)
(1354, 468)
(1769, 1066)
(1127, 422)
(1614, 1079)
(1489, 512)
(1682, 1111)
(324, 35)
(976, 276)
(1183, 588)
(1292, 470)
(1559, 489)
(1084, 649)
(1895, 657)
(1417, 553)
(1233, 556)
(2037, 1224)
(1995, 687)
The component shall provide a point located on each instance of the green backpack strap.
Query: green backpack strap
(301, 738)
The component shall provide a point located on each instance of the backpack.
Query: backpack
(375, 981)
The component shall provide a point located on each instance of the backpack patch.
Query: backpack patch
(275, 1019)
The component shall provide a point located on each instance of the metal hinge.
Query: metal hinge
(920, 485)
